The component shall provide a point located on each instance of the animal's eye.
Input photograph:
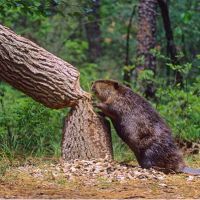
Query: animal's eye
(116, 85)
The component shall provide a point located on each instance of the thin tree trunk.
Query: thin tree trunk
(55, 83)
(146, 41)
(127, 73)
(171, 48)
(93, 31)
(94, 136)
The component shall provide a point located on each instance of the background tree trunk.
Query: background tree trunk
(146, 40)
(146, 36)
(128, 73)
(171, 47)
(55, 83)
(94, 137)
(93, 31)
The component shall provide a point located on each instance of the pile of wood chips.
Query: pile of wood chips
(92, 171)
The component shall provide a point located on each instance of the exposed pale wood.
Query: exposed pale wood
(38, 73)
(86, 135)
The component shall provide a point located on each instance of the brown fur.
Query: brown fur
(139, 125)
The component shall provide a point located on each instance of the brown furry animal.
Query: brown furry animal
(140, 127)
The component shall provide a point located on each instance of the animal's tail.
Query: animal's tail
(191, 171)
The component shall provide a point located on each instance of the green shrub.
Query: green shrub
(181, 110)
(27, 127)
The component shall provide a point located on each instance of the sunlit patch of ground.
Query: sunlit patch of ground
(33, 179)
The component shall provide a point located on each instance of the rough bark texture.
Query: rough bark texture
(38, 73)
(86, 135)
(146, 40)
(146, 36)
(171, 47)
(93, 31)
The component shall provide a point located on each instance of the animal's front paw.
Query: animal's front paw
(100, 105)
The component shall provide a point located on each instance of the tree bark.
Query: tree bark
(146, 40)
(146, 36)
(93, 31)
(171, 47)
(94, 137)
(36, 72)
(127, 73)
(55, 83)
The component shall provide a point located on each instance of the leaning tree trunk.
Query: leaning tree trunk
(146, 41)
(55, 83)
(38, 73)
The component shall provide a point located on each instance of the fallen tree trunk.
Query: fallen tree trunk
(55, 83)
(36, 72)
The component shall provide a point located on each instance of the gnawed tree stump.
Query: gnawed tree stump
(55, 83)
(94, 137)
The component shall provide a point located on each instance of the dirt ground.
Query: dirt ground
(15, 184)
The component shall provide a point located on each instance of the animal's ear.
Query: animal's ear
(116, 85)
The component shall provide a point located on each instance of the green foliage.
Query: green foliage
(31, 7)
(76, 48)
(120, 149)
(88, 74)
(184, 69)
(146, 75)
(181, 109)
(28, 128)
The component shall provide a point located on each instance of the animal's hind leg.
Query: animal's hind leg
(145, 163)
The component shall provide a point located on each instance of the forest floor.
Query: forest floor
(39, 178)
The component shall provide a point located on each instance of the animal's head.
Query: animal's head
(105, 89)
(113, 96)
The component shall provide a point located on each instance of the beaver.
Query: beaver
(140, 127)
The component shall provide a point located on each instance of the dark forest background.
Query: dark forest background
(105, 39)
